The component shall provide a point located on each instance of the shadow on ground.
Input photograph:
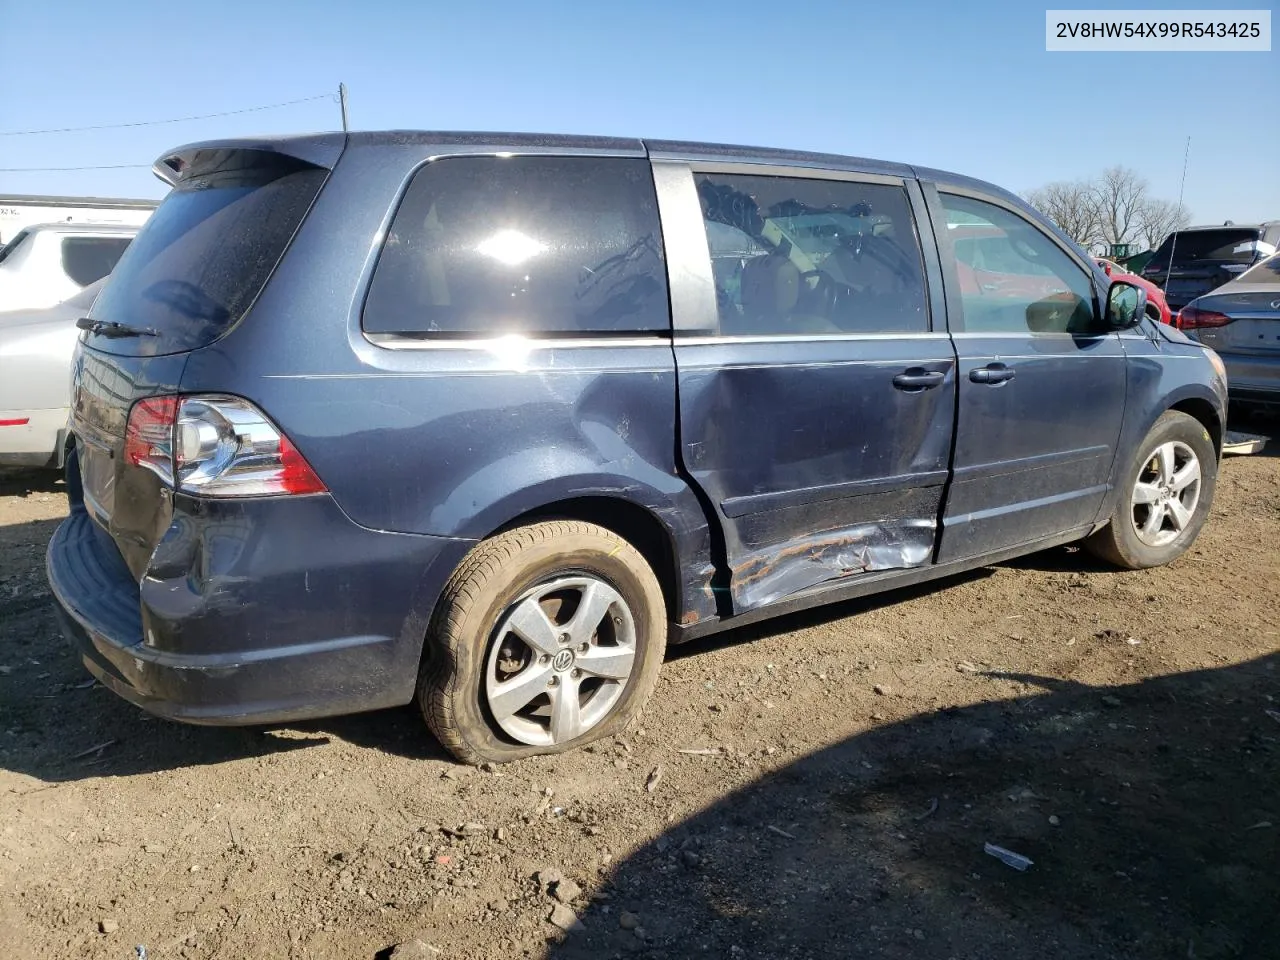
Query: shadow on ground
(1150, 811)
(21, 482)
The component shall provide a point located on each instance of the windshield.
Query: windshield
(1230, 245)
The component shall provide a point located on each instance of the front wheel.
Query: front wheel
(1167, 492)
(547, 637)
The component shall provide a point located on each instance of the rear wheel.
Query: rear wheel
(547, 637)
(1167, 492)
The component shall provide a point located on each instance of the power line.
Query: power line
(106, 166)
(152, 123)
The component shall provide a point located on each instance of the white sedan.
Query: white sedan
(35, 379)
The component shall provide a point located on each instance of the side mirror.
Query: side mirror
(1126, 305)
(1061, 313)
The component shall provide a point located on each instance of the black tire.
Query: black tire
(489, 580)
(1118, 542)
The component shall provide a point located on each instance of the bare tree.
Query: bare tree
(1071, 206)
(1116, 207)
(1120, 195)
(1159, 218)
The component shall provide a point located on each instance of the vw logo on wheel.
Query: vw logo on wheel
(562, 660)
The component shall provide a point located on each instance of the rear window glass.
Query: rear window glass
(86, 259)
(1229, 245)
(486, 246)
(207, 251)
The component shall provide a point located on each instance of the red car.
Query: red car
(1155, 296)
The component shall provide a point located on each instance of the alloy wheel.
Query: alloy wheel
(560, 659)
(1166, 493)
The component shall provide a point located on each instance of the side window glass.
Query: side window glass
(487, 246)
(86, 259)
(793, 256)
(1014, 278)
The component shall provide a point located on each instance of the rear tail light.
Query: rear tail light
(216, 446)
(148, 438)
(1192, 318)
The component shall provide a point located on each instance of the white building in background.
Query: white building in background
(18, 211)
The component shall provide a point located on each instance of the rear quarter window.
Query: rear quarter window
(552, 246)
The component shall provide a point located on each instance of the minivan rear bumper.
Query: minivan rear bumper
(243, 646)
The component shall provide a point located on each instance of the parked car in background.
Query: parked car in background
(1241, 321)
(35, 379)
(1157, 306)
(486, 421)
(1135, 263)
(1193, 261)
(46, 264)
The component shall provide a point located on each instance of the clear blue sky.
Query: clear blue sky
(965, 87)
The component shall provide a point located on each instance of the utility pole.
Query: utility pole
(342, 102)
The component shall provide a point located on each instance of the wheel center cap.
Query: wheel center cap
(562, 661)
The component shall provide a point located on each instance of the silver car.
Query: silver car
(1241, 321)
(35, 379)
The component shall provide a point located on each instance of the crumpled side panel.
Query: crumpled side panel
(775, 572)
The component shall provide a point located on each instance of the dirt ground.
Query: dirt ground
(825, 786)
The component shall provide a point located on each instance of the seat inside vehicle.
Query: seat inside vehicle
(772, 288)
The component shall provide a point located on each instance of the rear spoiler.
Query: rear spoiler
(196, 159)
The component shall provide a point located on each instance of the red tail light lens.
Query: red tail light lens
(216, 446)
(1191, 318)
(148, 437)
(296, 475)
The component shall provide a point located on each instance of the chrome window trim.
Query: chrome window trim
(815, 364)
(1028, 335)
(392, 341)
(699, 341)
(792, 172)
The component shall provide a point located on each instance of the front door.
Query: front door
(1041, 383)
(817, 402)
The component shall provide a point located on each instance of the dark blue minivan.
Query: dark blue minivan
(489, 420)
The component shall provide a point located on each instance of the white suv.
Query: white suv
(46, 264)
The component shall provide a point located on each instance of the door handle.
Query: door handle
(993, 373)
(916, 379)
